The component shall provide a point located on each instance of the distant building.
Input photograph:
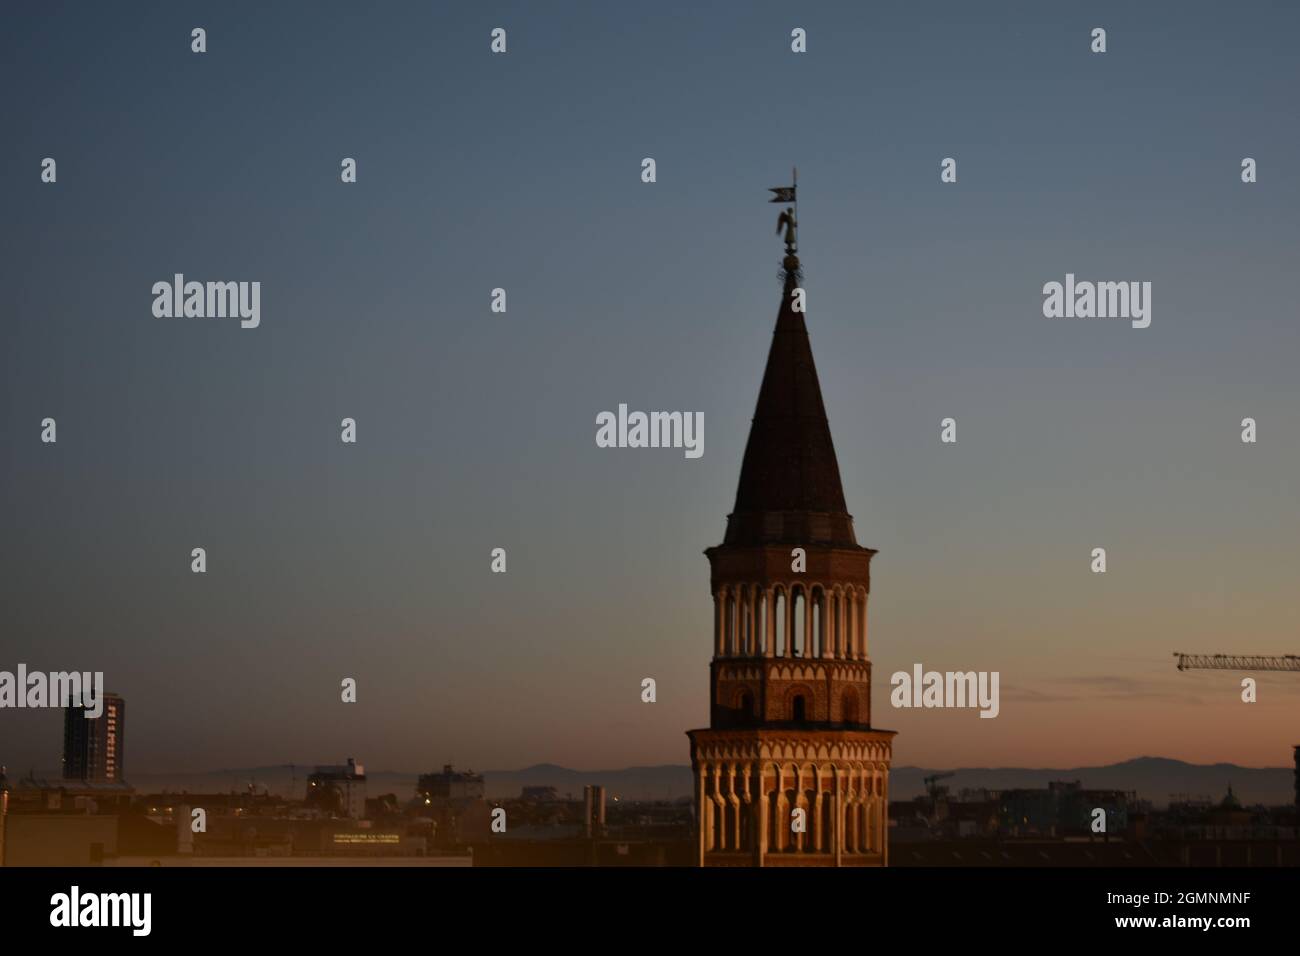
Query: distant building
(593, 799)
(1065, 808)
(94, 749)
(1205, 821)
(539, 795)
(1295, 752)
(455, 802)
(1230, 812)
(338, 790)
(4, 811)
(592, 833)
(450, 785)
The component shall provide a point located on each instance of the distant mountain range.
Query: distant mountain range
(1153, 778)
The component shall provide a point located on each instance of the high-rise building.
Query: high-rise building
(790, 770)
(338, 789)
(94, 748)
(450, 785)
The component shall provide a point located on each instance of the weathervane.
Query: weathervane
(788, 221)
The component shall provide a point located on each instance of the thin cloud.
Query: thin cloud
(1111, 687)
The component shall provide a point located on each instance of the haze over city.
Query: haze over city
(477, 430)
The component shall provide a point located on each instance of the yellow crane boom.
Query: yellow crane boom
(1238, 662)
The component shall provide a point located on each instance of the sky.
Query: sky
(475, 430)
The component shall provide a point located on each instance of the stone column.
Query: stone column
(847, 644)
(839, 817)
(850, 622)
(733, 626)
(737, 826)
(762, 816)
(846, 624)
(846, 617)
(769, 622)
(850, 827)
(789, 623)
(864, 820)
(719, 620)
(756, 621)
(751, 621)
(729, 801)
(752, 786)
(828, 624)
(884, 818)
(857, 626)
(829, 605)
(715, 826)
(862, 627)
(738, 622)
(778, 809)
(742, 799)
(875, 812)
(807, 625)
(859, 798)
(742, 606)
(823, 622)
(816, 837)
(853, 624)
(701, 805)
(842, 646)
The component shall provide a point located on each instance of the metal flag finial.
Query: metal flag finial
(788, 221)
(783, 193)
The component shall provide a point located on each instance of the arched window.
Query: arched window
(729, 637)
(814, 643)
(746, 705)
(798, 708)
(779, 636)
(850, 707)
(796, 637)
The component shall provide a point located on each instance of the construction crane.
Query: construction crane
(1237, 662)
(1249, 662)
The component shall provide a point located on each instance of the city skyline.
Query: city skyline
(476, 430)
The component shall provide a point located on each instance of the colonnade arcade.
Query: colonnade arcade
(790, 620)
(747, 808)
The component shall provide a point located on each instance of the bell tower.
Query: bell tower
(790, 681)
